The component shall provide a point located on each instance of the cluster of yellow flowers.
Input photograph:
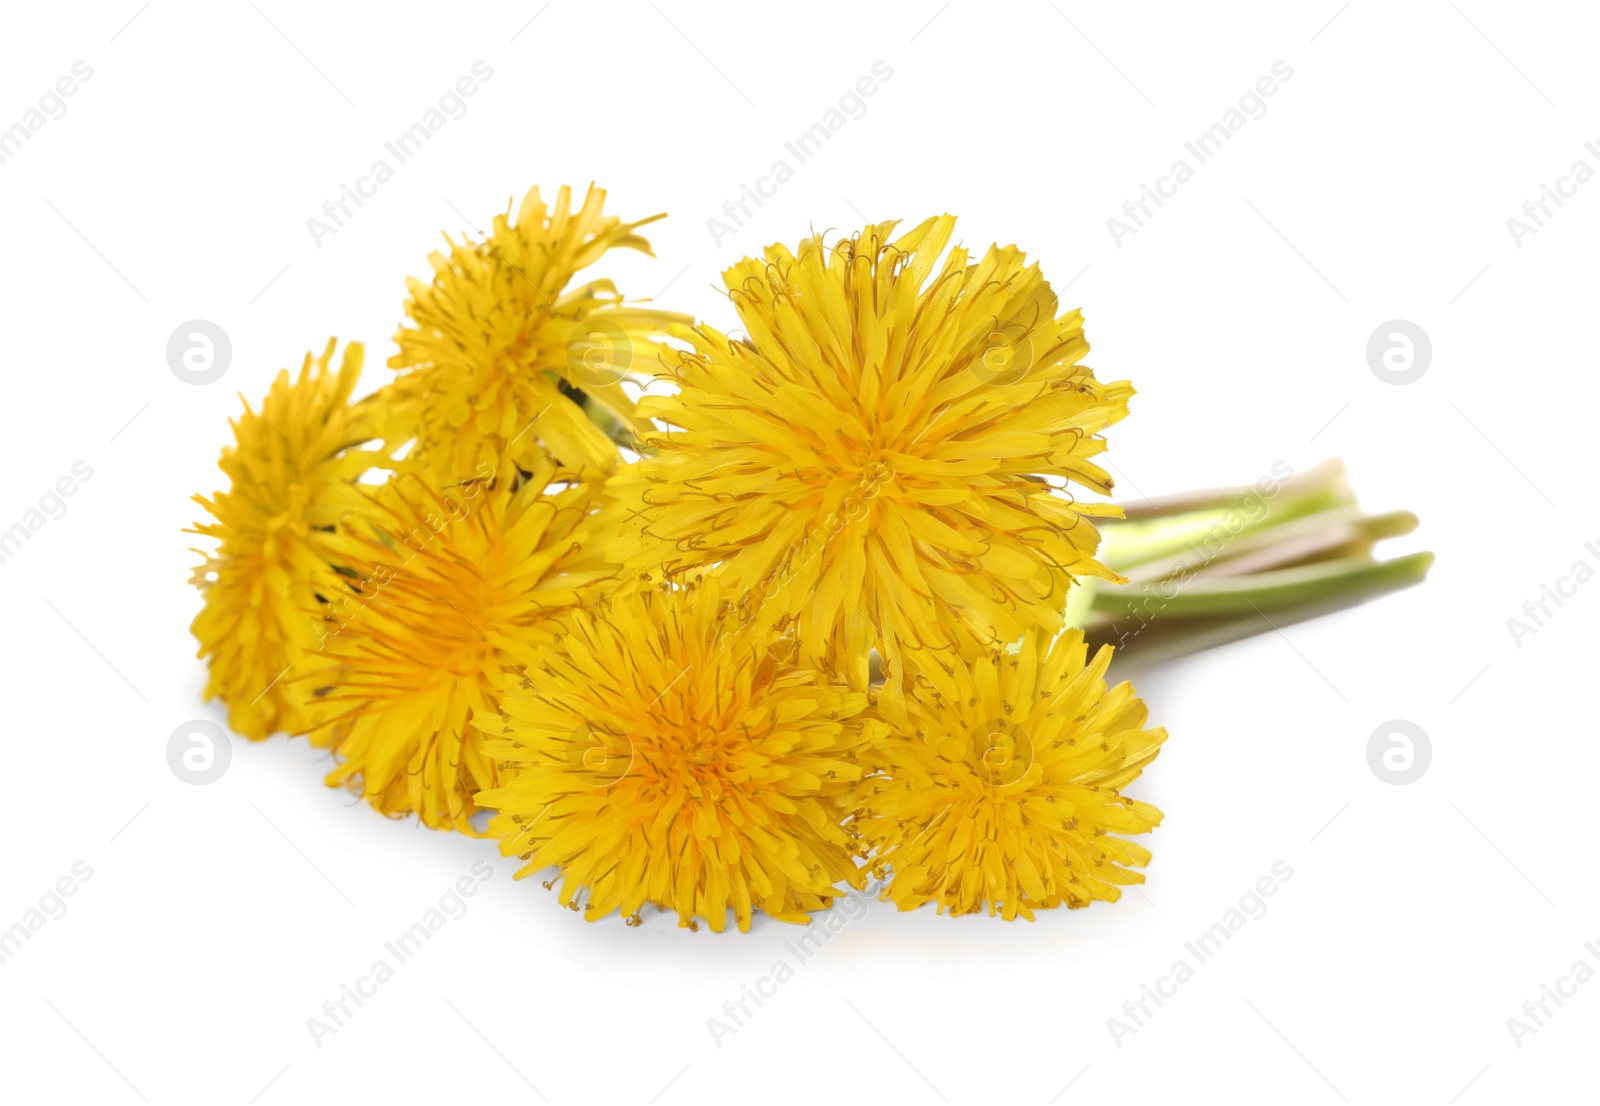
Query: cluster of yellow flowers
(794, 625)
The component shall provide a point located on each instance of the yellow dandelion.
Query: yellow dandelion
(444, 598)
(496, 333)
(663, 752)
(291, 473)
(885, 458)
(1010, 796)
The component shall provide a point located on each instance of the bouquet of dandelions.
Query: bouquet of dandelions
(823, 612)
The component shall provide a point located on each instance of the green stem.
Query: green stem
(1213, 566)
(1201, 598)
(1163, 528)
(1325, 535)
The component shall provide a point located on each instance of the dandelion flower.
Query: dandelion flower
(1010, 797)
(445, 595)
(883, 461)
(495, 334)
(291, 473)
(663, 752)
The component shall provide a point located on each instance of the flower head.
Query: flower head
(496, 333)
(882, 462)
(446, 596)
(663, 752)
(1009, 796)
(291, 472)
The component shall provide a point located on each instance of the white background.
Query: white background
(1418, 919)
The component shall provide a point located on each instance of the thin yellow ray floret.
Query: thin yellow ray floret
(292, 473)
(496, 332)
(1009, 798)
(883, 461)
(663, 753)
(446, 598)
